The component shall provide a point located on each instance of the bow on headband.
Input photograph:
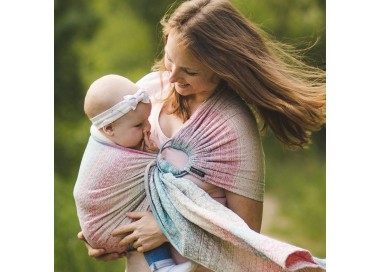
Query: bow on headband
(128, 103)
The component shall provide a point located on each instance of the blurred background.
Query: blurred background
(98, 37)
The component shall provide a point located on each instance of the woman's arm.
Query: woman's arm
(250, 210)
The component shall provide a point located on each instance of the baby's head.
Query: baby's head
(119, 109)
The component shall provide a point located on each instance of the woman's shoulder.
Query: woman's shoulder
(234, 108)
(148, 78)
(154, 82)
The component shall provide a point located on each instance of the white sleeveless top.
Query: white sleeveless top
(152, 83)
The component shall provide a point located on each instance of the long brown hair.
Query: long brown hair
(287, 95)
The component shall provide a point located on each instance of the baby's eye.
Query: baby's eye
(139, 125)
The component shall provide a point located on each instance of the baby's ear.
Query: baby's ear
(108, 129)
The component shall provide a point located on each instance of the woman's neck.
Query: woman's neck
(195, 103)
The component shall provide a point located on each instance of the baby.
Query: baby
(119, 111)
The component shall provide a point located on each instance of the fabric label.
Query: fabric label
(196, 171)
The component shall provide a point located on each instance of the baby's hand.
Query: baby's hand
(149, 145)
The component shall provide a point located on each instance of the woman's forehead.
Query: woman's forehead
(180, 55)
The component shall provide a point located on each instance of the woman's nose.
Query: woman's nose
(173, 74)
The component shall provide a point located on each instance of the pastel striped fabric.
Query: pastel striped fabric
(224, 148)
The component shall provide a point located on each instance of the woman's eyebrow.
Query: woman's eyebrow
(182, 67)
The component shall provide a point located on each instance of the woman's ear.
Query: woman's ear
(108, 129)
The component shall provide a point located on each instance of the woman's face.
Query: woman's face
(187, 73)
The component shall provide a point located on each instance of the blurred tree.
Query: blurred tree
(297, 22)
(152, 11)
(74, 21)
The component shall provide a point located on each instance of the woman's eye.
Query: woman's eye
(191, 73)
(166, 56)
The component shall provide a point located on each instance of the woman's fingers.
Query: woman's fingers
(94, 252)
(109, 257)
(137, 244)
(97, 253)
(132, 238)
(144, 234)
(81, 236)
(145, 246)
(136, 215)
(123, 230)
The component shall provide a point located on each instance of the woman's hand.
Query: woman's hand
(99, 254)
(145, 234)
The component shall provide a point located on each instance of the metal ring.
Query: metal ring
(181, 174)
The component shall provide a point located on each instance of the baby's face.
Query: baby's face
(128, 129)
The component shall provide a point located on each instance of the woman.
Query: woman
(210, 48)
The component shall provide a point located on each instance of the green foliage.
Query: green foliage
(74, 21)
(301, 23)
(126, 49)
(296, 179)
(93, 38)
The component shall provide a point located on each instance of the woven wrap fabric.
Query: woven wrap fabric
(210, 234)
(223, 145)
(109, 184)
(113, 180)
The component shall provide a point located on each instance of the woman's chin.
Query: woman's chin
(182, 89)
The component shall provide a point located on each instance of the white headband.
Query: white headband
(123, 107)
